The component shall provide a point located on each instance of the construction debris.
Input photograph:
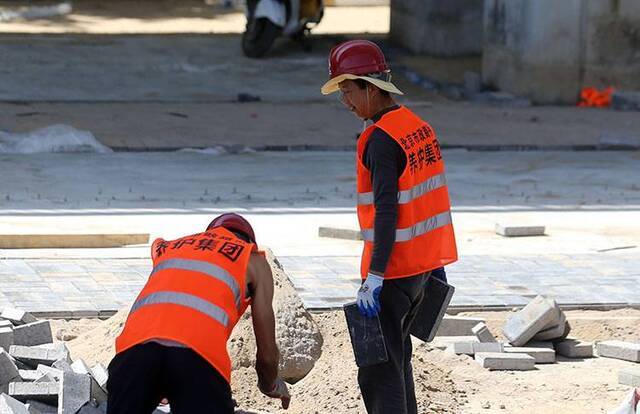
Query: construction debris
(38, 376)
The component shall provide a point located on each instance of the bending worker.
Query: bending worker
(174, 342)
(403, 211)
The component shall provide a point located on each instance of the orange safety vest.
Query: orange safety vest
(424, 233)
(195, 295)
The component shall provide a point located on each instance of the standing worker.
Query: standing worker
(404, 214)
(174, 342)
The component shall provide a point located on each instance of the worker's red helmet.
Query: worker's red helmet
(235, 223)
(358, 59)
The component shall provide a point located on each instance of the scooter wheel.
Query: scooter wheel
(258, 37)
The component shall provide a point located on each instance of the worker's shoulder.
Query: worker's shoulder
(258, 263)
(381, 142)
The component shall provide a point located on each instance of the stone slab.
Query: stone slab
(70, 241)
(34, 355)
(472, 348)
(29, 374)
(339, 233)
(55, 373)
(523, 325)
(629, 376)
(6, 337)
(519, 231)
(572, 348)
(628, 351)
(540, 344)
(8, 370)
(17, 316)
(37, 407)
(100, 374)
(457, 325)
(75, 391)
(46, 392)
(31, 334)
(541, 355)
(482, 332)
(443, 342)
(556, 332)
(503, 361)
(9, 405)
(80, 367)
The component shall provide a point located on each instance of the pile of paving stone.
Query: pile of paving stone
(38, 376)
(535, 335)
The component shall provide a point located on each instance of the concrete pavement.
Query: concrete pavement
(588, 254)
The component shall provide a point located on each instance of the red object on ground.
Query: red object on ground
(592, 97)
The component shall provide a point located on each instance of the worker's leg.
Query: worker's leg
(409, 387)
(134, 383)
(195, 387)
(383, 386)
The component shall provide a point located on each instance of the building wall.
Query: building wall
(438, 27)
(547, 50)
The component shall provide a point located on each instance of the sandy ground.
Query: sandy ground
(180, 16)
(445, 383)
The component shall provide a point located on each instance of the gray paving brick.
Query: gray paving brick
(17, 316)
(6, 337)
(541, 355)
(37, 355)
(8, 370)
(46, 392)
(629, 376)
(31, 334)
(572, 348)
(628, 351)
(503, 361)
(9, 405)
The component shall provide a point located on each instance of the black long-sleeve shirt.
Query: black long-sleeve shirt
(386, 160)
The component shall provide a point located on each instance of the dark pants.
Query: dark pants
(388, 388)
(144, 374)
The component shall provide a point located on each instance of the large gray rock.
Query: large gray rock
(298, 336)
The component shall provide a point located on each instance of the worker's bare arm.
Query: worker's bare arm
(267, 357)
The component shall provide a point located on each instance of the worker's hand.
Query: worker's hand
(369, 295)
(278, 390)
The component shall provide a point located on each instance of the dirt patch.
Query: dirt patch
(445, 383)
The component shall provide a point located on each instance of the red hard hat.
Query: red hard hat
(356, 57)
(234, 222)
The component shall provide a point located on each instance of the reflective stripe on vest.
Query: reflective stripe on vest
(416, 230)
(206, 268)
(183, 299)
(406, 196)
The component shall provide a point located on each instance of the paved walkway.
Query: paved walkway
(87, 287)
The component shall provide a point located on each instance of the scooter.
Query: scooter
(269, 19)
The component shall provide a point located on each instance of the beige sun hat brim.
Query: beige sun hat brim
(333, 84)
